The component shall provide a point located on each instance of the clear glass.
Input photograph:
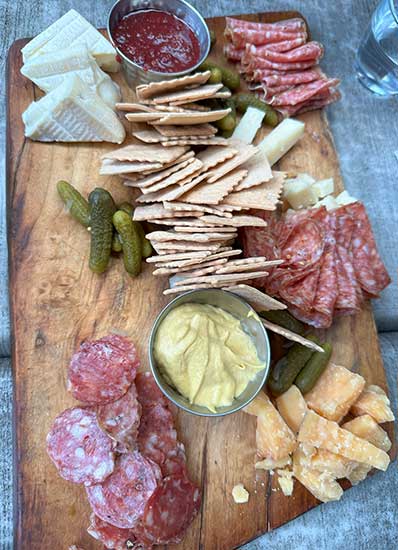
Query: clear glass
(377, 57)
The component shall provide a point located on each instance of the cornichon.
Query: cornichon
(286, 369)
(230, 79)
(131, 242)
(284, 319)
(77, 205)
(243, 101)
(116, 242)
(213, 38)
(308, 377)
(228, 123)
(216, 76)
(102, 209)
(146, 245)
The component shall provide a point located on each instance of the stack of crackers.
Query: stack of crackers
(193, 182)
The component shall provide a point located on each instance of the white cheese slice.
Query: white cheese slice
(345, 198)
(49, 70)
(249, 125)
(280, 140)
(328, 202)
(324, 187)
(299, 193)
(72, 112)
(71, 29)
(240, 495)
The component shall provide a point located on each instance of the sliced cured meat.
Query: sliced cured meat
(148, 392)
(287, 45)
(80, 450)
(349, 295)
(254, 63)
(156, 435)
(267, 92)
(302, 293)
(305, 106)
(232, 53)
(305, 245)
(291, 79)
(312, 51)
(111, 537)
(326, 294)
(313, 318)
(304, 92)
(102, 370)
(122, 497)
(170, 510)
(121, 418)
(289, 25)
(175, 463)
(345, 224)
(240, 37)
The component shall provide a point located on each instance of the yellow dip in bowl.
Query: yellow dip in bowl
(204, 353)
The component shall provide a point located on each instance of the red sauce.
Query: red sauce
(157, 40)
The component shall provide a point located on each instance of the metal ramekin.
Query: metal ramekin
(251, 324)
(134, 73)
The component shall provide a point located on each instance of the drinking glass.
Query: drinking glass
(376, 61)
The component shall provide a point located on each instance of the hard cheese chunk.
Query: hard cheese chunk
(322, 460)
(269, 464)
(374, 401)
(325, 434)
(323, 187)
(285, 480)
(292, 407)
(299, 193)
(345, 198)
(239, 494)
(334, 393)
(73, 29)
(274, 438)
(280, 140)
(328, 202)
(248, 125)
(366, 427)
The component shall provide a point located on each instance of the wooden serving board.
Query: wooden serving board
(56, 303)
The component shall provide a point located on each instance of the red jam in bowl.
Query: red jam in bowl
(157, 41)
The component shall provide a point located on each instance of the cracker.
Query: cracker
(182, 229)
(154, 177)
(215, 155)
(115, 167)
(244, 266)
(213, 193)
(178, 289)
(145, 153)
(257, 299)
(215, 264)
(185, 246)
(235, 221)
(178, 221)
(196, 141)
(225, 208)
(262, 197)
(157, 211)
(193, 117)
(188, 95)
(149, 136)
(200, 207)
(259, 171)
(155, 88)
(129, 107)
(220, 279)
(188, 256)
(222, 94)
(164, 236)
(174, 192)
(190, 170)
(192, 107)
(245, 152)
(195, 130)
(143, 117)
(290, 335)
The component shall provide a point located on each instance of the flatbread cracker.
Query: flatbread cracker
(195, 130)
(193, 117)
(192, 107)
(244, 267)
(179, 221)
(185, 246)
(146, 153)
(290, 335)
(259, 171)
(220, 279)
(262, 197)
(186, 206)
(157, 211)
(178, 289)
(245, 152)
(165, 236)
(180, 256)
(154, 177)
(235, 221)
(190, 170)
(257, 299)
(215, 264)
(196, 141)
(188, 95)
(143, 117)
(145, 91)
(116, 167)
(213, 193)
(173, 192)
(215, 155)
(182, 229)
(131, 107)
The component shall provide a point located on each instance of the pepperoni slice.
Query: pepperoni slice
(111, 537)
(80, 450)
(170, 510)
(120, 419)
(103, 370)
(122, 497)
(156, 435)
(148, 391)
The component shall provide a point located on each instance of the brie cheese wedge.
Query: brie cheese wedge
(72, 112)
(71, 29)
(49, 70)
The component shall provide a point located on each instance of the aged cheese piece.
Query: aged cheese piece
(299, 193)
(72, 29)
(292, 407)
(248, 125)
(328, 202)
(72, 112)
(285, 480)
(280, 140)
(240, 495)
(334, 393)
(364, 426)
(322, 460)
(345, 198)
(322, 485)
(323, 188)
(269, 464)
(326, 434)
(373, 401)
(274, 438)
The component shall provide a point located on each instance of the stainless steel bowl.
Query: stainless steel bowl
(251, 325)
(134, 73)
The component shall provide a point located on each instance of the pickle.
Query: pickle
(131, 242)
(213, 38)
(216, 76)
(147, 249)
(226, 124)
(308, 377)
(126, 207)
(288, 368)
(77, 205)
(227, 133)
(230, 78)
(243, 101)
(102, 208)
(284, 319)
(116, 243)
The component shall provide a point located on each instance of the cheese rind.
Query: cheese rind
(374, 401)
(292, 407)
(281, 139)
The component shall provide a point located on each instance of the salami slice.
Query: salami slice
(288, 25)
(156, 435)
(302, 293)
(287, 45)
(312, 105)
(170, 510)
(232, 53)
(326, 294)
(120, 419)
(312, 51)
(103, 370)
(148, 392)
(254, 63)
(175, 463)
(240, 37)
(80, 450)
(304, 92)
(291, 79)
(111, 537)
(122, 497)
(349, 294)
(313, 318)
(305, 245)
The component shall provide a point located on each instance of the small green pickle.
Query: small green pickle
(131, 242)
(285, 320)
(102, 208)
(318, 362)
(76, 204)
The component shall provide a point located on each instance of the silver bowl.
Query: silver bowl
(251, 325)
(134, 73)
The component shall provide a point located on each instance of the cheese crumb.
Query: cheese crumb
(240, 495)
(285, 481)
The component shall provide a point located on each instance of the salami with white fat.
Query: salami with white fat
(111, 537)
(289, 25)
(240, 37)
(312, 51)
(304, 92)
(156, 434)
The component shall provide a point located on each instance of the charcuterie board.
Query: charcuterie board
(56, 303)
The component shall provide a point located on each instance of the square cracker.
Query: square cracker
(146, 153)
(244, 267)
(186, 206)
(149, 135)
(195, 130)
(259, 300)
(173, 192)
(198, 229)
(154, 177)
(115, 167)
(178, 289)
(213, 193)
(220, 141)
(156, 88)
(181, 175)
(220, 279)
(165, 236)
(259, 171)
(180, 256)
(192, 117)
(245, 152)
(191, 107)
(211, 156)
(235, 221)
(184, 245)
(132, 107)
(143, 117)
(163, 270)
(188, 95)
(262, 197)
(156, 211)
(179, 221)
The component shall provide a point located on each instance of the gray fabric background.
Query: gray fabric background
(365, 128)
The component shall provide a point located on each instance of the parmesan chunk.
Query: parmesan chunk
(345, 198)
(364, 426)
(240, 495)
(292, 407)
(328, 202)
(323, 188)
(281, 139)
(322, 460)
(248, 125)
(373, 401)
(326, 434)
(299, 193)
(274, 438)
(285, 480)
(336, 390)
(359, 473)
(269, 464)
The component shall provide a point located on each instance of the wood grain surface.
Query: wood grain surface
(56, 303)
